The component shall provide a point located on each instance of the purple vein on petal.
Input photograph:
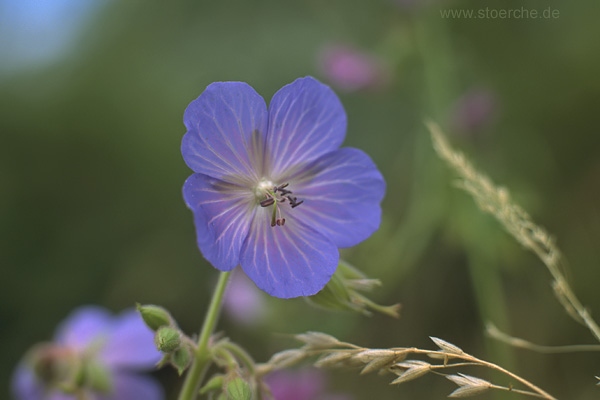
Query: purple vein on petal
(228, 143)
(239, 216)
(308, 136)
(240, 157)
(221, 172)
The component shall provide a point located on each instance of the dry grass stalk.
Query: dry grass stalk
(394, 361)
(496, 200)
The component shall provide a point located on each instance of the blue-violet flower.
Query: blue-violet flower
(273, 191)
(95, 356)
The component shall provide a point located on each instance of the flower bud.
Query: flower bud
(167, 339)
(181, 359)
(342, 292)
(238, 389)
(154, 316)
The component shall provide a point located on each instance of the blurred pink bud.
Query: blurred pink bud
(351, 69)
(304, 384)
(473, 111)
(243, 301)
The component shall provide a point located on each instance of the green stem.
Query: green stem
(202, 354)
(242, 354)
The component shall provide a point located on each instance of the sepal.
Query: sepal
(181, 359)
(167, 339)
(343, 292)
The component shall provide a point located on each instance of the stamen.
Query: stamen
(294, 201)
(274, 216)
(274, 196)
(280, 187)
(267, 202)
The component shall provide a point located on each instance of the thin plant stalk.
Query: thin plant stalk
(496, 201)
(497, 334)
(201, 360)
(334, 353)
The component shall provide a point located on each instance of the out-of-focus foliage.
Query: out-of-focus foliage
(91, 209)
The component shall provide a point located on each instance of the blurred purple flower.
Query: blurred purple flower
(305, 384)
(115, 346)
(473, 111)
(351, 69)
(272, 189)
(242, 301)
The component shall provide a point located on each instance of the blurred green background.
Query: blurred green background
(91, 209)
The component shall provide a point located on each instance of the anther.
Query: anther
(267, 202)
(294, 201)
(280, 187)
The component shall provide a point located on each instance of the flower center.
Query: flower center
(269, 194)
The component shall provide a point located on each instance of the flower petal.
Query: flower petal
(341, 192)
(130, 343)
(128, 386)
(287, 261)
(24, 385)
(83, 326)
(222, 215)
(224, 129)
(306, 120)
